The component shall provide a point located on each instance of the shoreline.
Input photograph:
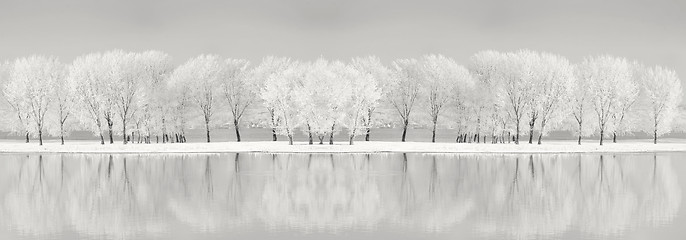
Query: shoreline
(629, 146)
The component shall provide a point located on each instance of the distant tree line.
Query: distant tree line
(141, 97)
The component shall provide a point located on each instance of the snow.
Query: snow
(633, 146)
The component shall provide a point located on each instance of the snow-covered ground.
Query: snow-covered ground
(358, 147)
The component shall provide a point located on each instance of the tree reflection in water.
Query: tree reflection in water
(518, 196)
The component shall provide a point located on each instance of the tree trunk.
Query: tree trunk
(531, 131)
(176, 135)
(109, 127)
(433, 133)
(40, 136)
(580, 132)
(124, 131)
(517, 133)
(271, 112)
(157, 138)
(369, 124)
(404, 131)
(321, 140)
(351, 140)
(102, 139)
(207, 129)
(309, 133)
(614, 137)
(331, 136)
(27, 136)
(655, 136)
(238, 133)
(540, 135)
(602, 133)
(62, 132)
(290, 139)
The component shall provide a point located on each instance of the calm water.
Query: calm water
(342, 196)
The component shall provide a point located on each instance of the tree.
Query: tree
(125, 74)
(85, 76)
(580, 101)
(312, 95)
(38, 75)
(440, 75)
(240, 92)
(609, 77)
(403, 89)
(554, 82)
(13, 93)
(178, 102)
(259, 75)
(662, 94)
(511, 74)
(154, 69)
(628, 94)
(363, 95)
(64, 100)
(279, 93)
(200, 75)
(380, 74)
(322, 94)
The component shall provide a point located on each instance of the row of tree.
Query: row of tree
(141, 94)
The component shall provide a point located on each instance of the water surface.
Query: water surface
(342, 196)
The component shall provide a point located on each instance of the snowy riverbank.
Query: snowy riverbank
(359, 147)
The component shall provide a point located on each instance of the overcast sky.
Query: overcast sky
(651, 31)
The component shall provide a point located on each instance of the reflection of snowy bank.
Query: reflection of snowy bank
(359, 147)
(518, 196)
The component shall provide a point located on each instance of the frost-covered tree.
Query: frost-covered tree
(279, 93)
(85, 80)
(662, 93)
(441, 75)
(511, 74)
(64, 106)
(178, 101)
(623, 119)
(13, 94)
(154, 69)
(200, 75)
(403, 89)
(580, 101)
(485, 67)
(610, 78)
(380, 74)
(38, 76)
(238, 90)
(362, 97)
(260, 74)
(125, 86)
(552, 89)
(321, 94)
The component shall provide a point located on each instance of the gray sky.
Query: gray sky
(651, 31)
